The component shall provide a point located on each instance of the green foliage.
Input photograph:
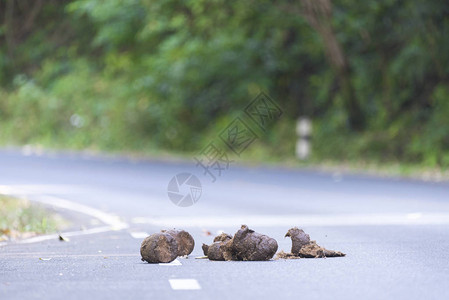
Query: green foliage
(170, 74)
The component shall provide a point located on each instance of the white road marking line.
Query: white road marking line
(139, 220)
(41, 189)
(113, 222)
(55, 237)
(139, 235)
(173, 263)
(304, 220)
(37, 255)
(106, 218)
(414, 216)
(184, 284)
(47, 237)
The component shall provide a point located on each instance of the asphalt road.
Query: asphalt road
(395, 232)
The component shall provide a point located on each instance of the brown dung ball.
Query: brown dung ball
(250, 245)
(159, 248)
(185, 241)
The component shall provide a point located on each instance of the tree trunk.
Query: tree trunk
(318, 14)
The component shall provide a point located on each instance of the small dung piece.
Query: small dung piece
(220, 249)
(159, 248)
(302, 246)
(185, 241)
(299, 239)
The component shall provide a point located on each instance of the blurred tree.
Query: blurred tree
(319, 15)
(372, 75)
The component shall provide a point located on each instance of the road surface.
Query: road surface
(395, 232)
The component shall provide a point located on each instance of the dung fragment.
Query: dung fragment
(185, 241)
(284, 255)
(63, 239)
(159, 248)
(313, 250)
(222, 237)
(302, 246)
(299, 239)
(245, 245)
(220, 249)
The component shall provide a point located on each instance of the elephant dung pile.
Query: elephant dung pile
(245, 245)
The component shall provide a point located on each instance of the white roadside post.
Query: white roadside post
(304, 131)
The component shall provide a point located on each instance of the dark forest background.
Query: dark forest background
(169, 75)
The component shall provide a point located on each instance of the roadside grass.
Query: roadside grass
(20, 219)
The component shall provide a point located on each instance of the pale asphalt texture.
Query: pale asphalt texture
(384, 261)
